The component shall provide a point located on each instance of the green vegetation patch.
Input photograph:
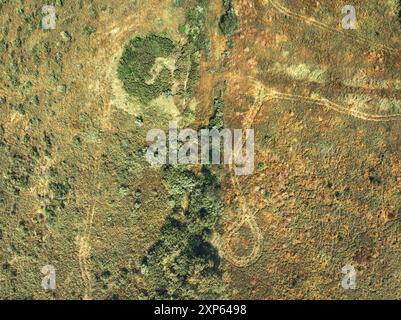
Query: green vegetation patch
(195, 25)
(229, 21)
(187, 71)
(183, 264)
(138, 59)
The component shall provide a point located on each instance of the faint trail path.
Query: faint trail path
(112, 37)
(272, 95)
(308, 20)
(246, 217)
(331, 105)
(84, 253)
(263, 94)
(104, 123)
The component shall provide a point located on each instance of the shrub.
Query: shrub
(229, 21)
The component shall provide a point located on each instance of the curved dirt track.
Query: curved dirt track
(264, 94)
(308, 20)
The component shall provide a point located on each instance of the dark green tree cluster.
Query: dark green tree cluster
(187, 70)
(195, 31)
(229, 21)
(183, 264)
(216, 120)
(195, 25)
(137, 60)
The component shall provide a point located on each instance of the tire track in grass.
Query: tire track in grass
(308, 20)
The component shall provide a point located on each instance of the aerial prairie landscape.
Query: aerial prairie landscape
(83, 213)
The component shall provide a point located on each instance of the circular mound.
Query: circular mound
(137, 63)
